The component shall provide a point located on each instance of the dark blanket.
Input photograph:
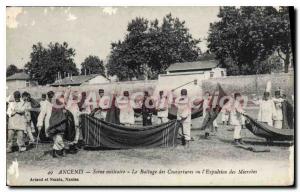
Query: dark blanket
(214, 110)
(288, 115)
(62, 122)
(98, 133)
(261, 129)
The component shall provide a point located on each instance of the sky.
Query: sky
(89, 30)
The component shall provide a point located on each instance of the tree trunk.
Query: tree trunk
(286, 63)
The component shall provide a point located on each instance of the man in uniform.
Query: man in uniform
(103, 106)
(236, 118)
(278, 118)
(126, 109)
(16, 122)
(184, 116)
(162, 108)
(147, 109)
(266, 110)
(44, 116)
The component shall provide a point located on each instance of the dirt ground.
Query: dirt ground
(217, 147)
(217, 152)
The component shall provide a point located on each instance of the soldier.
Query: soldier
(103, 106)
(147, 109)
(278, 118)
(44, 116)
(162, 108)
(72, 106)
(211, 128)
(126, 109)
(184, 116)
(26, 99)
(266, 110)
(16, 123)
(236, 118)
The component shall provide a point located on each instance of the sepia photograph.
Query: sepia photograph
(150, 96)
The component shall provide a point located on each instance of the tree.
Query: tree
(92, 65)
(149, 48)
(46, 64)
(244, 38)
(12, 69)
(283, 36)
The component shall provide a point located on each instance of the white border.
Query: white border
(5, 3)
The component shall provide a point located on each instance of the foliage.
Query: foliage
(12, 69)
(92, 65)
(245, 37)
(46, 63)
(149, 48)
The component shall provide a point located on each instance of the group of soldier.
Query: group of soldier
(21, 106)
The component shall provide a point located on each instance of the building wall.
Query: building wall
(173, 80)
(97, 80)
(252, 84)
(15, 84)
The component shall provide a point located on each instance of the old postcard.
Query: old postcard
(150, 96)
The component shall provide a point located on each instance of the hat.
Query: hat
(183, 92)
(17, 94)
(25, 94)
(126, 93)
(50, 94)
(266, 93)
(101, 90)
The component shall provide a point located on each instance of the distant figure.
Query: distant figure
(278, 118)
(126, 109)
(266, 110)
(184, 116)
(43, 101)
(225, 115)
(16, 123)
(162, 108)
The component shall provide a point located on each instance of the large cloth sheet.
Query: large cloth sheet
(99, 133)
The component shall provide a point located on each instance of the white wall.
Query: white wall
(98, 79)
(172, 80)
(15, 84)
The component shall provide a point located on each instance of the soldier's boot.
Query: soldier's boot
(22, 149)
(55, 153)
(241, 142)
(183, 141)
(236, 142)
(206, 136)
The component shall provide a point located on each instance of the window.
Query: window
(211, 74)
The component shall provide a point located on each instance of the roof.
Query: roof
(18, 76)
(196, 65)
(75, 80)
